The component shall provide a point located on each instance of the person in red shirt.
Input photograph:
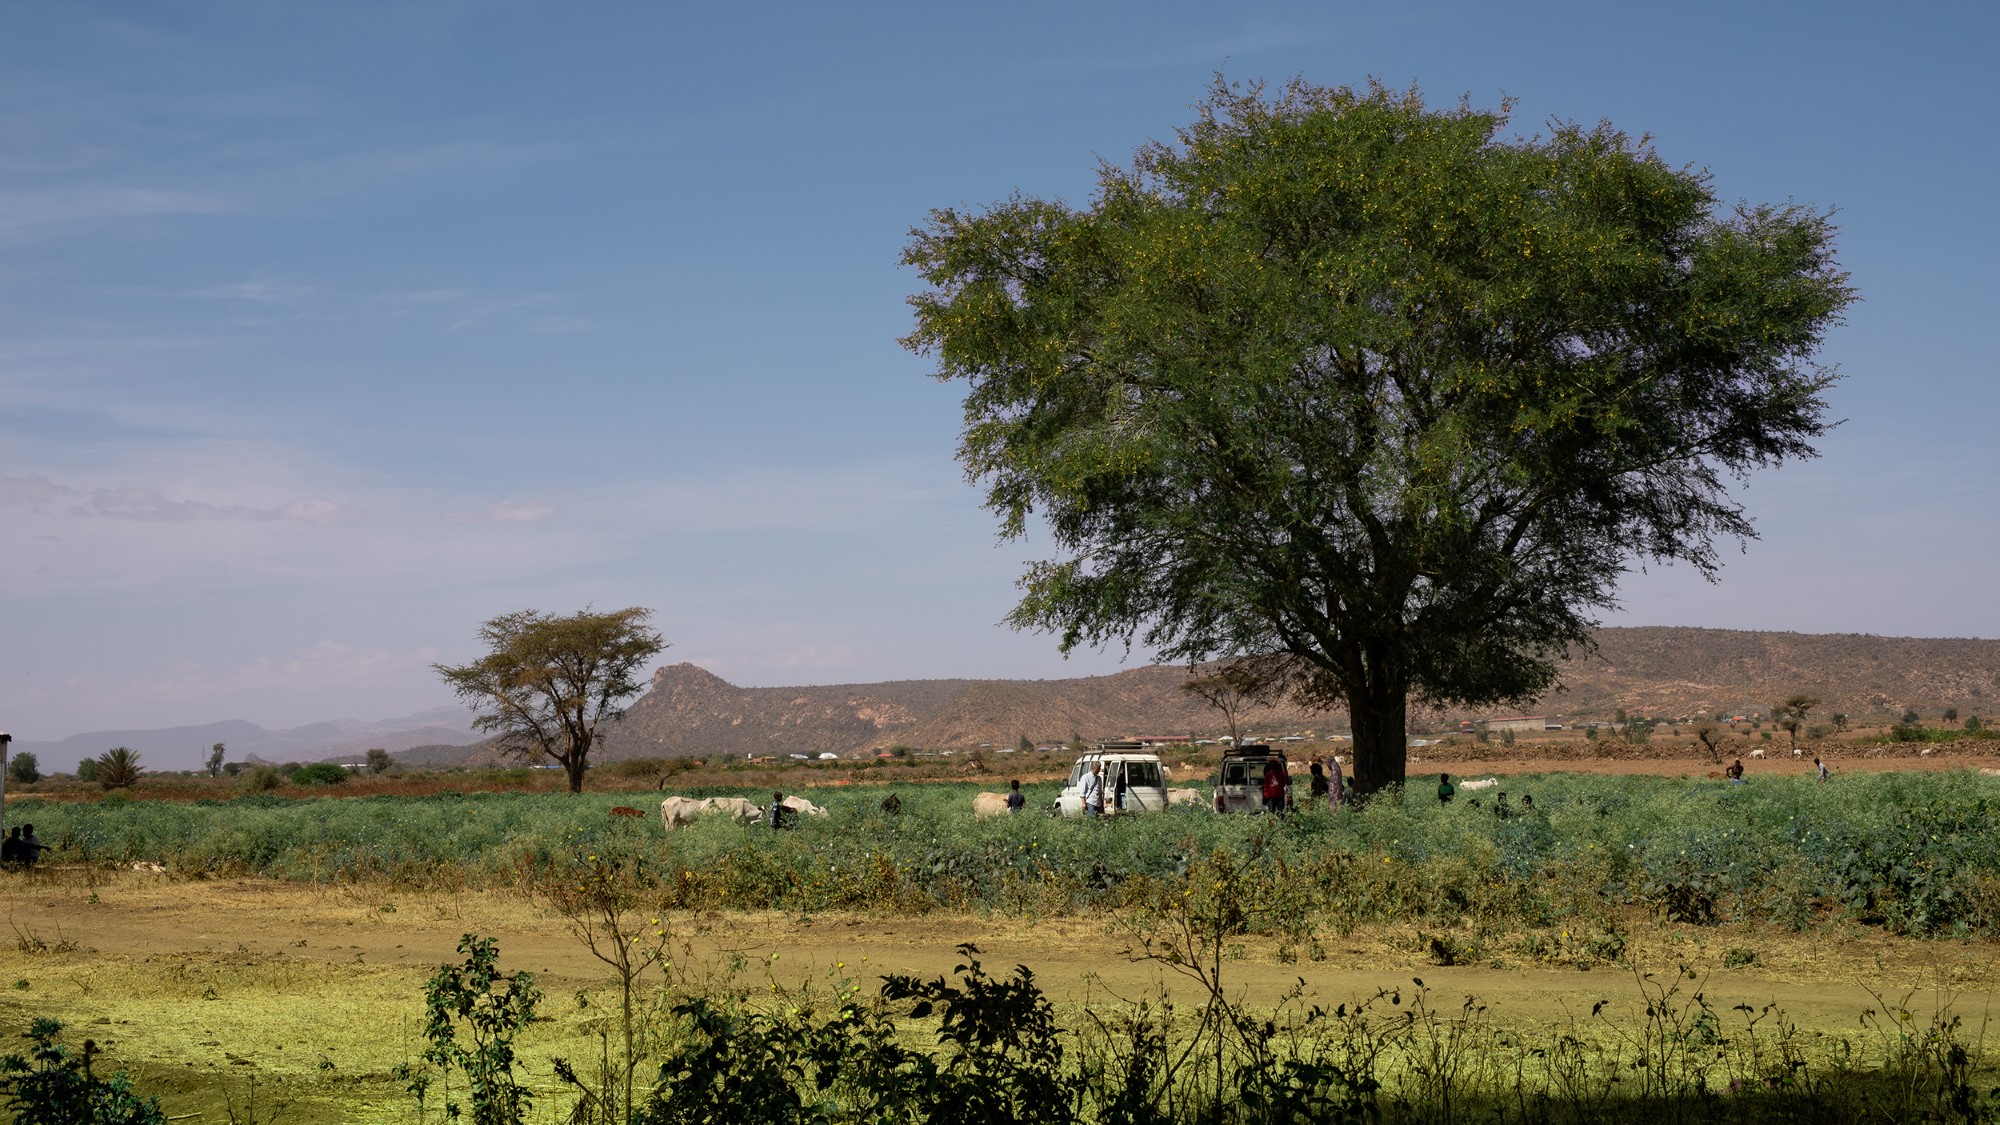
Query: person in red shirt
(1277, 786)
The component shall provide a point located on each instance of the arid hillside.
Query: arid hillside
(1668, 672)
(1677, 672)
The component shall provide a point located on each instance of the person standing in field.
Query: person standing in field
(1336, 786)
(1446, 790)
(1276, 785)
(1820, 767)
(1093, 792)
(1318, 786)
(1015, 801)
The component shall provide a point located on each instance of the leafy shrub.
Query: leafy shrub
(52, 1086)
(23, 769)
(260, 778)
(492, 1010)
(320, 773)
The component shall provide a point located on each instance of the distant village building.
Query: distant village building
(1535, 723)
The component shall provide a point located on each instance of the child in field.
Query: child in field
(1446, 790)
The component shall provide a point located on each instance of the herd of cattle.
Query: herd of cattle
(677, 812)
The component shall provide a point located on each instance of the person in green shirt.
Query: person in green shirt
(1446, 790)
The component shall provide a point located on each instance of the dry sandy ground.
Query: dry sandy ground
(317, 992)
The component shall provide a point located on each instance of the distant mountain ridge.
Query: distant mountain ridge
(186, 748)
(1652, 671)
(689, 711)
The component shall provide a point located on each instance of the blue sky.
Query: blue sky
(329, 330)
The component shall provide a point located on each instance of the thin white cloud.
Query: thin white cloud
(506, 511)
(30, 212)
(142, 504)
(255, 292)
(22, 491)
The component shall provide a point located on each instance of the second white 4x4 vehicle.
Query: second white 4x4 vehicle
(1145, 782)
(1239, 786)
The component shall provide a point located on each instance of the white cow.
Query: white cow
(678, 811)
(1186, 797)
(1482, 783)
(989, 804)
(744, 811)
(803, 807)
(1757, 752)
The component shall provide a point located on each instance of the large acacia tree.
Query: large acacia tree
(548, 681)
(1369, 386)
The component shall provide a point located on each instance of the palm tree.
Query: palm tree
(117, 768)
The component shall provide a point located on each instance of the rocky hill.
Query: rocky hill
(1647, 671)
(1676, 672)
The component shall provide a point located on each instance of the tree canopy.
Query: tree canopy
(1368, 385)
(549, 681)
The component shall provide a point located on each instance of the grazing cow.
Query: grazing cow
(803, 807)
(1482, 783)
(1757, 752)
(677, 811)
(989, 804)
(1185, 797)
(621, 810)
(743, 810)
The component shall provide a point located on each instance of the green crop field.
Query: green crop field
(1915, 854)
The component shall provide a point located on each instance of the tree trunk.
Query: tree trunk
(574, 765)
(1380, 722)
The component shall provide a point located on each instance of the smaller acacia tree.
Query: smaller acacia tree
(550, 680)
(215, 754)
(1791, 714)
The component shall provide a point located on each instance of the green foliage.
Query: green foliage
(23, 769)
(1973, 725)
(117, 768)
(1911, 719)
(549, 681)
(1468, 374)
(472, 1017)
(86, 770)
(51, 1085)
(1913, 853)
(379, 760)
(320, 773)
(1951, 714)
(215, 754)
(260, 778)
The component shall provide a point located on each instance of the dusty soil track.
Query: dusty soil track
(316, 992)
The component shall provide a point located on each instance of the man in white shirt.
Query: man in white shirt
(1093, 792)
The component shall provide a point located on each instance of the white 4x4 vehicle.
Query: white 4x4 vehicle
(1144, 778)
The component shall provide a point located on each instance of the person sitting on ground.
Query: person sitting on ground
(1446, 790)
(1821, 767)
(1500, 808)
(1015, 800)
(782, 814)
(1527, 804)
(10, 849)
(1735, 771)
(31, 848)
